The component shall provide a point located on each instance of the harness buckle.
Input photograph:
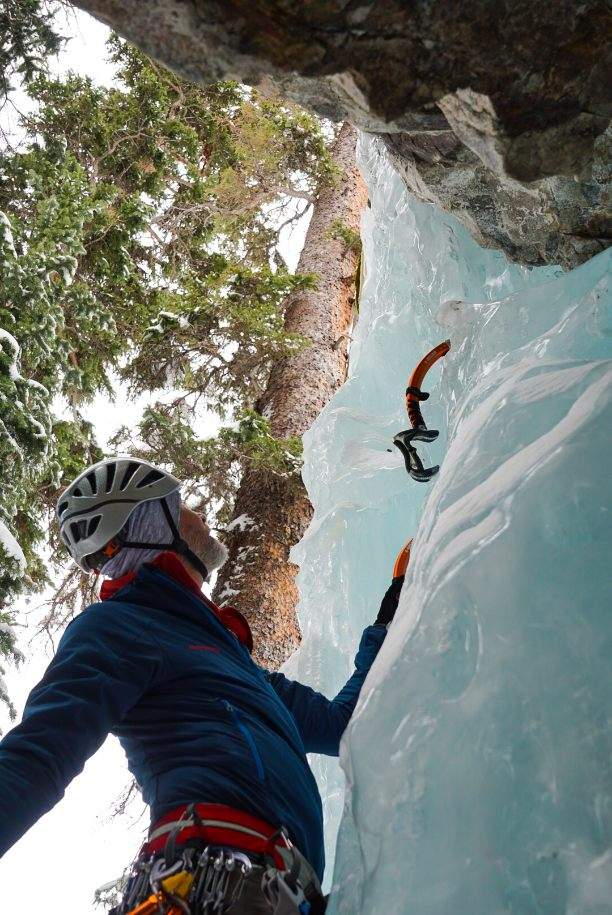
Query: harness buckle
(286, 896)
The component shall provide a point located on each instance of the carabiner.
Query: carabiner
(160, 871)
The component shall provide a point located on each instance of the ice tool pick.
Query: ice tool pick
(419, 431)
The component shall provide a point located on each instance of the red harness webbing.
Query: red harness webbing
(219, 825)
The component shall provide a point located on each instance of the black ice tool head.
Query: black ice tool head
(414, 465)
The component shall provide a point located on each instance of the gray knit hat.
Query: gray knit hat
(147, 524)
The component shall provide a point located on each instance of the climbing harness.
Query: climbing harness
(419, 431)
(205, 877)
(211, 882)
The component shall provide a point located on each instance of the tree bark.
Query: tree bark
(271, 513)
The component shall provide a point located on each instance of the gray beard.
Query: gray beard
(213, 553)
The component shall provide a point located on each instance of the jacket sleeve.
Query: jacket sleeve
(101, 668)
(322, 721)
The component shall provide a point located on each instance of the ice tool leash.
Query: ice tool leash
(419, 431)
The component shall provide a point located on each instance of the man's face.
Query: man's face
(194, 529)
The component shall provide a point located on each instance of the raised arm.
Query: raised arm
(101, 668)
(322, 721)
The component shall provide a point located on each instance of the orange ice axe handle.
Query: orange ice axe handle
(403, 558)
(419, 431)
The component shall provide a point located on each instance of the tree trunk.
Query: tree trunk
(271, 513)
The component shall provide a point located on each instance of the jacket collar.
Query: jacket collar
(165, 562)
(170, 565)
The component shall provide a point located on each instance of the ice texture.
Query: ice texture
(479, 760)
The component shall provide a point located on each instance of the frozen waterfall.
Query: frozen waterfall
(479, 761)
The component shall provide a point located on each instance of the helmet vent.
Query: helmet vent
(152, 477)
(96, 508)
(110, 476)
(132, 467)
(77, 530)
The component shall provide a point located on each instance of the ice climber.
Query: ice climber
(216, 743)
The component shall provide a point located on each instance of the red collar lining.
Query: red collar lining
(171, 565)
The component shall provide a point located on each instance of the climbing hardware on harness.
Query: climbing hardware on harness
(419, 431)
(182, 870)
(197, 882)
(211, 882)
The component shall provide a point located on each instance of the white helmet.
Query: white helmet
(95, 507)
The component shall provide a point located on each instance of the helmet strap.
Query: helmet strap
(177, 545)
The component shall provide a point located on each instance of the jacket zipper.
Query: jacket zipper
(248, 737)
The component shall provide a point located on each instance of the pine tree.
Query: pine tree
(272, 509)
(27, 39)
(37, 269)
(139, 236)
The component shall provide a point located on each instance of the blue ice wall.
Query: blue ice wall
(479, 761)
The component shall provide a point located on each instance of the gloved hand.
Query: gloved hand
(389, 602)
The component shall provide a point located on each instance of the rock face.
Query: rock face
(554, 220)
(496, 110)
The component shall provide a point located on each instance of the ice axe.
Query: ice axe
(419, 431)
(391, 599)
(402, 560)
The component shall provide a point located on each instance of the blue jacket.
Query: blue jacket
(197, 718)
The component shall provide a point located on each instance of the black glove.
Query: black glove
(389, 602)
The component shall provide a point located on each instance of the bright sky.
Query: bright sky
(78, 846)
